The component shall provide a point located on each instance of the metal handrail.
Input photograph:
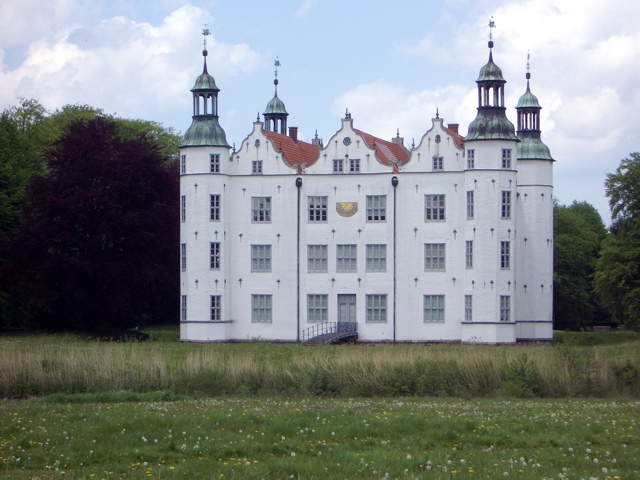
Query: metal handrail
(328, 327)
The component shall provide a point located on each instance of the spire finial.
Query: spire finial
(492, 25)
(205, 34)
(437, 113)
(397, 133)
(528, 67)
(276, 63)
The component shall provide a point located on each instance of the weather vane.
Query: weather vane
(528, 66)
(492, 24)
(276, 63)
(205, 34)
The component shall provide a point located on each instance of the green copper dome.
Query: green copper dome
(528, 100)
(490, 72)
(205, 81)
(275, 106)
(532, 148)
(205, 131)
(491, 123)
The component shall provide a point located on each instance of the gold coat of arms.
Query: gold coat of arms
(347, 209)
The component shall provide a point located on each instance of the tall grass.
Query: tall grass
(42, 365)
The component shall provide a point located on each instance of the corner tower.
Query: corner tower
(534, 278)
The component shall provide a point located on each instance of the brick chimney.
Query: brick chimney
(293, 133)
(454, 127)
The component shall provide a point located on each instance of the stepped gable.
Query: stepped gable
(295, 153)
(388, 153)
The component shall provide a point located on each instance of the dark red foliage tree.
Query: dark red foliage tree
(98, 245)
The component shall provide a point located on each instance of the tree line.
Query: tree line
(89, 229)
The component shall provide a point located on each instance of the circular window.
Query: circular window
(257, 144)
(346, 141)
(438, 139)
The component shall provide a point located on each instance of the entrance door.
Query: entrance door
(346, 308)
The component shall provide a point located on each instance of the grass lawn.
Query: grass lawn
(319, 438)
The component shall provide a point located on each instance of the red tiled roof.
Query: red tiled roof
(457, 138)
(388, 153)
(296, 154)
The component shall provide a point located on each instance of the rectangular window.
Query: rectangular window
(261, 209)
(376, 308)
(437, 164)
(376, 208)
(261, 308)
(505, 308)
(183, 164)
(469, 254)
(506, 204)
(256, 167)
(434, 208)
(434, 256)
(215, 208)
(317, 308)
(346, 258)
(316, 258)
(183, 256)
(214, 161)
(215, 256)
(376, 258)
(433, 308)
(260, 258)
(183, 208)
(338, 165)
(506, 158)
(354, 165)
(317, 209)
(471, 159)
(504, 256)
(216, 308)
(468, 308)
(183, 308)
(470, 203)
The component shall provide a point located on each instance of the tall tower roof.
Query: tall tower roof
(491, 123)
(205, 129)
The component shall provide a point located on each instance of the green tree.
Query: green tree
(578, 235)
(618, 270)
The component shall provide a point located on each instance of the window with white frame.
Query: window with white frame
(376, 258)
(183, 256)
(216, 308)
(376, 208)
(214, 261)
(471, 159)
(434, 257)
(261, 308)
(376, 309)
(317, 308)
(260, 209)
(434, 208)
(438, 164)
(346, 258)
(505, 308)
(215, 208)
(506, 204)
(214, 162)
(338, 165)
(183, 308)
(256, 167)
(468, 308)
(469, 254)
(506, 158)
(505, 259)
(433, 308)
(183, 164)
(318, 209)
(354, 165)
(183, 208)
(260, 258)
(316, 258)
(470, 204)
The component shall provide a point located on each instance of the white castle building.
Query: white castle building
(449, 241)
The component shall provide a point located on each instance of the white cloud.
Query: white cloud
(306, 6)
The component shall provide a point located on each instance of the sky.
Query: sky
(391, 64)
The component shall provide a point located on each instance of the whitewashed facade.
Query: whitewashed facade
(448, 241)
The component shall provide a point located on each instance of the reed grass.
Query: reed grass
(50, 364)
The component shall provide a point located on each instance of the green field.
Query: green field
(329, 438)
(79, 408)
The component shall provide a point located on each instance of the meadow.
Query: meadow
(77, 408)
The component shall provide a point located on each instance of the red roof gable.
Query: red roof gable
(296, 154)
(457, 138)
(388, 153)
